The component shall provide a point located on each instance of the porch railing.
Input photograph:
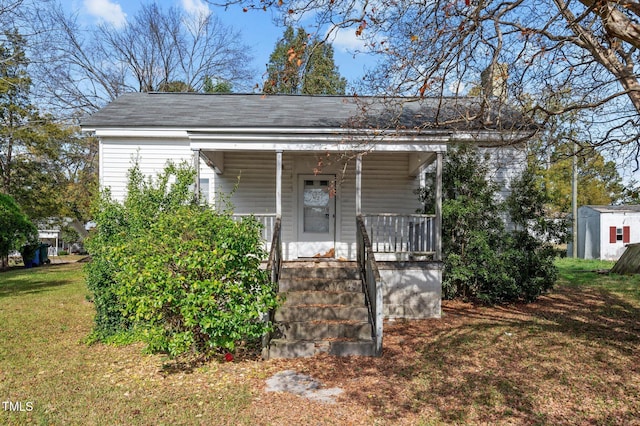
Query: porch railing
(274, 265)
(401, 233)
(371, 282)
(267, 220)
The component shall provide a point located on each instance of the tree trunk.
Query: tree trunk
(79, 228)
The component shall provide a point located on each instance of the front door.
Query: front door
(316, 216)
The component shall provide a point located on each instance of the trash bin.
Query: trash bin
(44, 254)
(29, 253)
(36, 256)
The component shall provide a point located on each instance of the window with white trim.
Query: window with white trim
(204, 189)
(619, 234)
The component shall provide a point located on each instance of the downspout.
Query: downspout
(438, 234)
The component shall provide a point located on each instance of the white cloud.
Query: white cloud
(106, 11)
(346, 40)
(196, 7)
(457, 87)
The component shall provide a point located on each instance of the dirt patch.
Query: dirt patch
(562, 360)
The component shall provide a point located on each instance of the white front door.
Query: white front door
(316, 216)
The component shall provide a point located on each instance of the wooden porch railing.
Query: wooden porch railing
(401, 233)
(371, 282)
(267, 220)
(274, 264)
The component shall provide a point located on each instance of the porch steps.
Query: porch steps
(324, 311)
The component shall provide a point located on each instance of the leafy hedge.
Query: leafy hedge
(484, 259)
(183, 275)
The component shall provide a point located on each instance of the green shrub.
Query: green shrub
(483, 260)
(63, 253)
(181, 274)
(194, 281)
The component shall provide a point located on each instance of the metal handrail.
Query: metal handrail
(371, 282)
(274, 265)
(275, 254)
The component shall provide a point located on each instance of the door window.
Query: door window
(316, 207)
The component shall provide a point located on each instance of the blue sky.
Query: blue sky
(257, 29)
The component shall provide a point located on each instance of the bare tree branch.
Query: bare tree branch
(585, 49)
(79, 70)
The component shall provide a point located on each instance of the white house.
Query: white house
(604, 231)
(313, 165)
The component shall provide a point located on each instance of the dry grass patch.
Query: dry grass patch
(570, 358)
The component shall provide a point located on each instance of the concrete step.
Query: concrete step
(301, 298)
(324, 272)
(281, 348)
(321, 313)
(324, 311)
(320, 263)
(323, 330)
(287, 284)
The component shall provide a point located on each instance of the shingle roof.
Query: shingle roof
(192, 110)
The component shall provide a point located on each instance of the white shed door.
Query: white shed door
(316, 216)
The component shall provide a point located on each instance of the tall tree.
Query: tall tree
(599, 182)
(28, 139)
(156, 50)
(216, 86)
(47, 167)
(301, 64)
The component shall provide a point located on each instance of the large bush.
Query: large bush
(185, 276)
(484, 259)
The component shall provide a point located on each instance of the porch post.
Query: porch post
(278, 183)
(358, 184)
(438, 234)
(196, 165)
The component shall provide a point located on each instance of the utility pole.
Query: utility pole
(574, 203)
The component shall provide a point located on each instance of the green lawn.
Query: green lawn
(580, 273)
(570, 358)
(45, 316)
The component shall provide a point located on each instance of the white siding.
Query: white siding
(117, 157)
(248, 182)
(387, 186)
(506, 164)
(613, 251)
(593, 232)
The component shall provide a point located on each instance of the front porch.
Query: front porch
(316, 225)
(345, 209)
(318, 195)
